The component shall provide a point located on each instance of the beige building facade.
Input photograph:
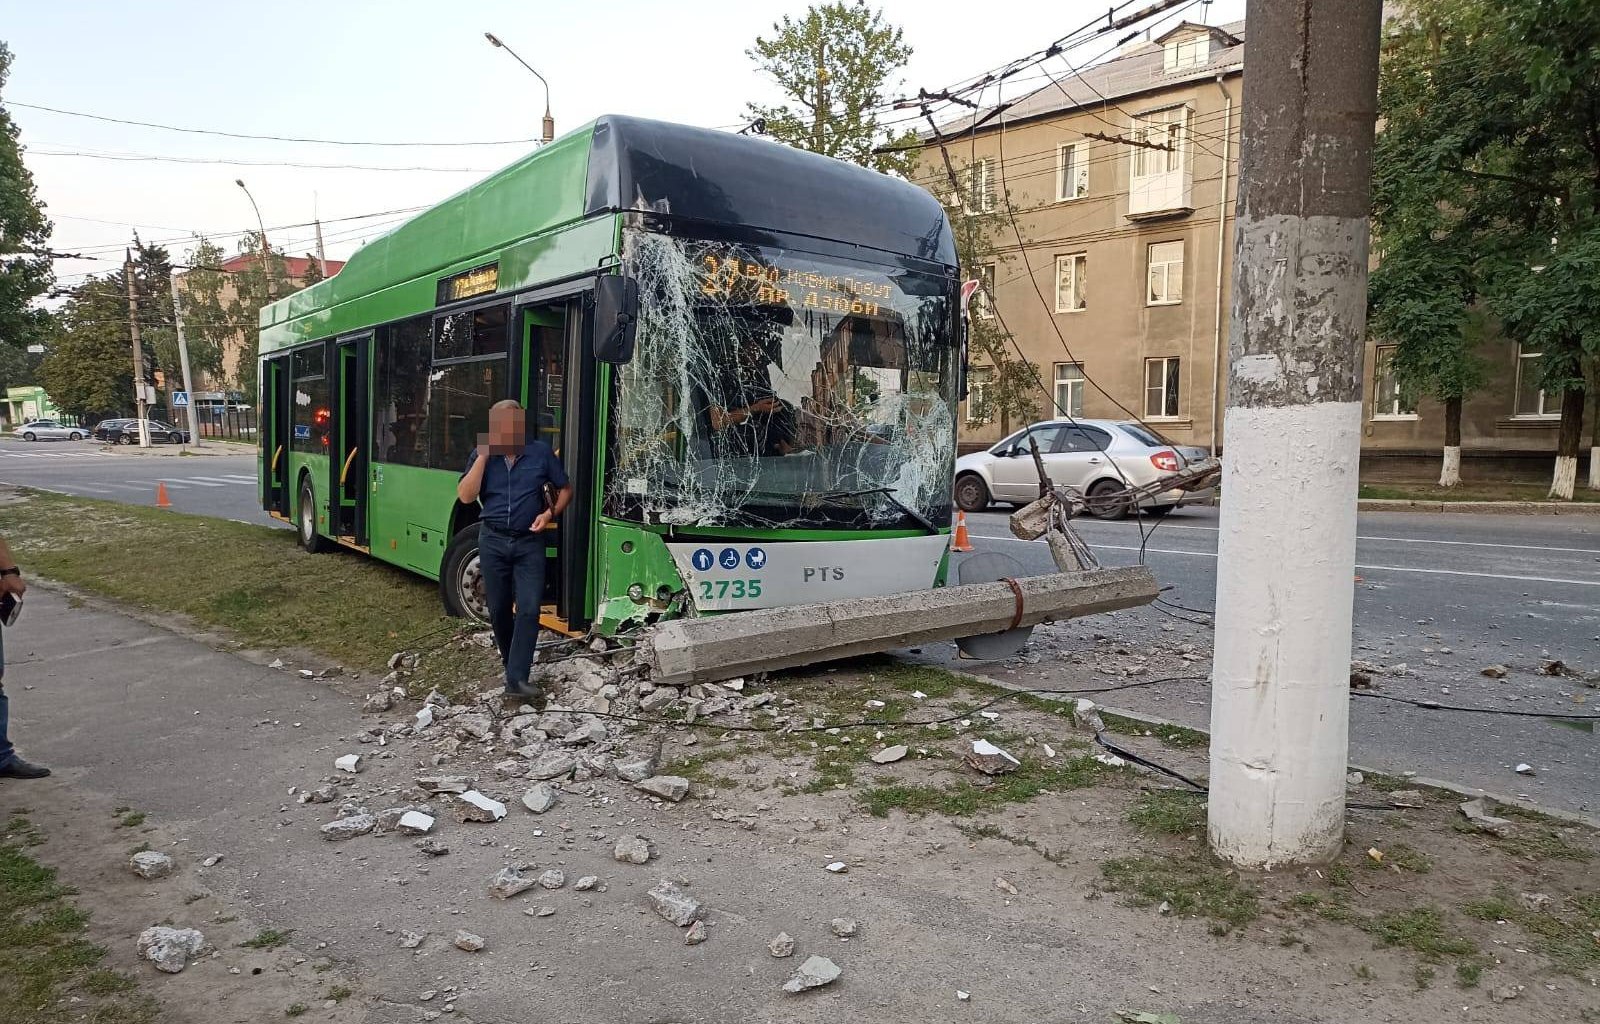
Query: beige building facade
(1121, 182)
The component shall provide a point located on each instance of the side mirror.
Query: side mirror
(616, 317)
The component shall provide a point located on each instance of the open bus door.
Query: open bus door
(273, 423)
(351, 429)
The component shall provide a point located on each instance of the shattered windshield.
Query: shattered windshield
(775, 388)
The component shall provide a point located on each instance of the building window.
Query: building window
(1162, 131)
(1069, 389)
(983, 299)
(1161, 388)
(1189, 52)
(1532, 402)
(978, 381)
(1072, 171)
(980, 187)
(1166, 273)
(1071, 276)
(1387, 403)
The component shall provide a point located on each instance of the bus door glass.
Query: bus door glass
(276, 404)
(544, 385)
(353, 413)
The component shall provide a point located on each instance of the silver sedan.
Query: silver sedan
(49, 430)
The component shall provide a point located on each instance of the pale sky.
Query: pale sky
(401, 71)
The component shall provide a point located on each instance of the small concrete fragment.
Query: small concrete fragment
(1495, 671)
(552, 879)
(844, 927)
(169, 948)
(838, 867)
(151, 864)
(444, 783)
(433, 847)
(632, 850)
(586, 883)
(889, 755)
(1538, 901)
(469, 942)
(349, 827)
(667, 787)
(415, 823)
(1525, 769)
(348, 763)
(634, 767)
(1406, 798)
(379, 702)
(782, 945)
(816, 972)
(1477, 811)
(474, 806)
(696, 934)
(552, 764)
(675, 905)
(989, 759)
(424, 717)
(539, 798)
(1005, 887)
(508, 882)
(1505, 993)
(411, 940)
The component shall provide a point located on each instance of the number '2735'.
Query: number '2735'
(717, 590)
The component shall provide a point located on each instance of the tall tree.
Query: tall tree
(24, 239)
(834, 65)
(88, 368)
(206, 324)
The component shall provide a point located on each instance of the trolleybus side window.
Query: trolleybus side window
(311, 414)
(401, 410)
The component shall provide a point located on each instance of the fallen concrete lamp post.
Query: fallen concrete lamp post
(711, 648)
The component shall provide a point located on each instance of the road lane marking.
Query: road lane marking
(91, 489)
(192, 480)
(217, 480)
(1367, 568)
(144, 485)
(1400, 540)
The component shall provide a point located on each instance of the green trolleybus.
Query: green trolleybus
(748, 358)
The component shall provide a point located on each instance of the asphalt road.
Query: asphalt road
(1438, 598)
(222, 485)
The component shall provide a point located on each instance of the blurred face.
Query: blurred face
(508, 430)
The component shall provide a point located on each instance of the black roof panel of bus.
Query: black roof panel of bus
(718, 177)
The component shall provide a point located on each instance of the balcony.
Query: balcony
(1155, 196)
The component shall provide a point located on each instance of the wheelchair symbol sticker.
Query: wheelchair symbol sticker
(729, 559)
(756, 558)
(702, 559)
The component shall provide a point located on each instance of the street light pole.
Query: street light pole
(138, 351)
(183, 361)
(549, 133)
(266, 253)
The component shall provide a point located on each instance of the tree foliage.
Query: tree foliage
(254, 286)
(24, 244)
(88, 369)
(834, 65)
(207, 326)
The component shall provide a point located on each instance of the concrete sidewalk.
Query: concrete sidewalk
(210, 745)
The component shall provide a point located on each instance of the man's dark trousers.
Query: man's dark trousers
(513, 577)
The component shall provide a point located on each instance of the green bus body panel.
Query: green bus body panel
(396, 276)
(408, 515)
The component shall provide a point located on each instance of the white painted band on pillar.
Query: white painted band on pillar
(1594, 469)
(1280, 701)
(1450, 474)
(1566, 477)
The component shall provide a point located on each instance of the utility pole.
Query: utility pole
(822, 97)
(322, 254)
(1286, 556)
(138, 351)
(183, 361)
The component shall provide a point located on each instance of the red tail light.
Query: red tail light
(1167, 462)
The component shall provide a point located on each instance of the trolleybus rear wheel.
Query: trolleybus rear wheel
(460, 579)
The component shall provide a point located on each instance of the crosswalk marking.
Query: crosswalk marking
(145, 484)
(220, 481)
(240, 478)
(52, 455)
(193, 481)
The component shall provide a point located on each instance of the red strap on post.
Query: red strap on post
(1016, 593)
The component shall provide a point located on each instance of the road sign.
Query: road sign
(180, 399)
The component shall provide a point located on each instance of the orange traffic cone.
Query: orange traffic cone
(962, 542)
(161, 496)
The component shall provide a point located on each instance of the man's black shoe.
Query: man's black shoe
(528, 694)
(17, 768)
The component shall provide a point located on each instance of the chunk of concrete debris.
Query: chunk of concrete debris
(696, 934)
(1525, 769)
(349, 827)
(348, 763)
(433, 847)
(424, 717)
(411, 940)
(586, 883)
(990, 759)
(782, 945)
(1552, 667)
(552, 764)
(379, 702)
(275, 663)
(1495, 671)
(1478, 810)
(539, 799)
(675, 905)
(1406, 798)
(631, 850)
(474, 806)
(844, 927)
(444, 783)
(1005, 887)
(816, 972)
(212, 861)
(1110, 760)
(889, 755)
(552, 879)
(1354, 779)
(667, 787)
(634, 767)
(169, 948)
(838, 867)
(414, 823)
(472, 726)
(469, 942)
(151, 864)
(657, 699)
(508, 882)
(1505, 993)
(1539, 901)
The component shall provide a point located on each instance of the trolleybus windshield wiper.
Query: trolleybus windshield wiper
(888, 493)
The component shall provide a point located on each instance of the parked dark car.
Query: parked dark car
(127, 432)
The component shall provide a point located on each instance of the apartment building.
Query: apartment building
(241, 345)
(1122, 182)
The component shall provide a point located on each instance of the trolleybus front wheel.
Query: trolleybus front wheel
(460, 579)
(310, 539)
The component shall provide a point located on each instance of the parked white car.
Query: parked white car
(1099, 457)
(49, 430)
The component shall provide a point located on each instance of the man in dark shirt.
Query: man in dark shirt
(508, 473)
